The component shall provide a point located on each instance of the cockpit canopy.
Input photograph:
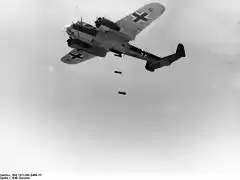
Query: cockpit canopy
(84, 27)
(80, 24)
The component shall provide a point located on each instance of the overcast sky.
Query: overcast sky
(59, 117)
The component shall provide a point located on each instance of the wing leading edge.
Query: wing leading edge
(134, 23)
(76, 56)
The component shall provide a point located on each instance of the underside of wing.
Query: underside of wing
(134, 23)
(76, 56)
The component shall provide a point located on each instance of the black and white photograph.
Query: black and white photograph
(127, 89)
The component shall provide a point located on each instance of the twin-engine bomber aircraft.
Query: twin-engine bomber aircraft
(88, 41)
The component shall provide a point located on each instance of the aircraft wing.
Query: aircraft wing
(76, 56)
(137, 21)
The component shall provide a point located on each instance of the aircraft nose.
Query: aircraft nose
(67, 28)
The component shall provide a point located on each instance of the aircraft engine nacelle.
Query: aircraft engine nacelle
(77, 44)
(105, 22)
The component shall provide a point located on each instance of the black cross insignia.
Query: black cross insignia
(139, 16)
(75, 56)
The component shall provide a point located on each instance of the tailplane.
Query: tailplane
(166, 61)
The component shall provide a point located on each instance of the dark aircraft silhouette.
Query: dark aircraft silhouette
(88, 41)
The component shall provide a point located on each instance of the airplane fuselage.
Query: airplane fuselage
(102, 40)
